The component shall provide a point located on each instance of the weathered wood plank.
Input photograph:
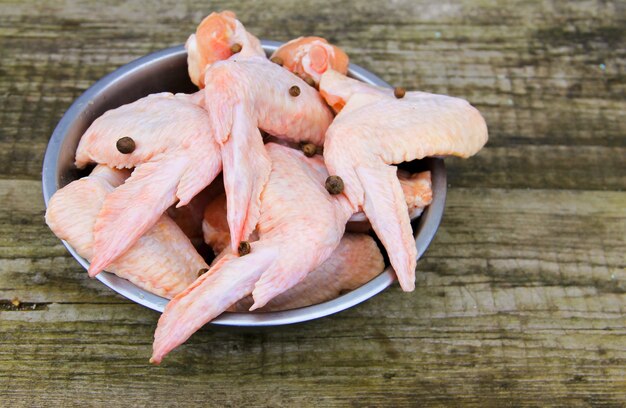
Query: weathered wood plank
(495, 315)
(514, 357)
(492, 232)
(531, 82)
(520, 300)
(542, 167)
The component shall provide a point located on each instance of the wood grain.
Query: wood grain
(520, 299)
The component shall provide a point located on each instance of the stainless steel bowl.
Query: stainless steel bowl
(166, 70)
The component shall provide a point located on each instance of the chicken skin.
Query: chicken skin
(300, 225)
(174, 156)
(218, 37)
(356, 261)
(243, 96)
(310, 57)
(374, 129)
(162, 261)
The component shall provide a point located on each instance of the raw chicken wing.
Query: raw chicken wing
(356, 261)
(312, 56)
(300, 226)
(215, 225)
(214, 40)
(174, 155)
(375, 129)
(417, 190)
(162, 261)
(418, 194)
(243, 95)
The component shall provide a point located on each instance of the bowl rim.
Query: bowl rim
(427, 225)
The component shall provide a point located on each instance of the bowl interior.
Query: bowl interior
(166, 71)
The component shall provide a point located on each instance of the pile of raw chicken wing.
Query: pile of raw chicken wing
(267, 163)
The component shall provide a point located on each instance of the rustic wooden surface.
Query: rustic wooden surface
(520, 300)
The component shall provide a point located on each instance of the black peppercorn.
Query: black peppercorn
(125, 145)
(309, 149)
(244, 248)
(334, 185)
(294, 91)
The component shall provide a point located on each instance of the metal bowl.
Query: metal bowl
(166, 71)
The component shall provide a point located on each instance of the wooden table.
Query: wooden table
(520, 299)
